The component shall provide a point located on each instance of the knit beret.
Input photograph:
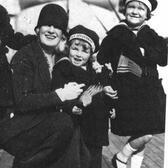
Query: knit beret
(151, 4)
(90, 36)
(53, 14)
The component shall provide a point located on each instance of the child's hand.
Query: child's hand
(108, 90)
(109, 67)
(76, 110)
(97, 67)
(112, 113)
(71, 91)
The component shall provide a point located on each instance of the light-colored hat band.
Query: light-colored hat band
(83, 37)
(146, 2)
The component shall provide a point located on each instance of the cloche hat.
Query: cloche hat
(53, 14)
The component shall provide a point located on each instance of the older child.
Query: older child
(135, 50)
(77, 67)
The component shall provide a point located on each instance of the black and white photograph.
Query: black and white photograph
(83, 83)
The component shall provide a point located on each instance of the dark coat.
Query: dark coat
(5, 84)
(140, 108)
(6, 92)
(94, 120)
(31, 85)
(16, 41)
(38, 135)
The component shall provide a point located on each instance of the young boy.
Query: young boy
(93, 111)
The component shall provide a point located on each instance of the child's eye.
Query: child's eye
(130, 7)
(86, 51)
(74, 48)
(141, 8)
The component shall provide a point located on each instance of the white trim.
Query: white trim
(83, 37)
(146, 2)
(127, 65)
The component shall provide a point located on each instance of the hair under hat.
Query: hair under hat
(151, 4)
(53, 14)
(81, 32)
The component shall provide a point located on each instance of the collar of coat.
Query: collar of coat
(124, 34)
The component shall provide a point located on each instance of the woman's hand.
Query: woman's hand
(70, 91)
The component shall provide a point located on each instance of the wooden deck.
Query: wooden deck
(154, 153)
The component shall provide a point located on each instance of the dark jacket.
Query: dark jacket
(140, 108)
(94, 119)
(5, 83)
(6, 92)
(14, 41)
(38, 135)
(31, 85)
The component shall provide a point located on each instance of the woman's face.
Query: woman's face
(79, 52)
(49, 36)
(136, 13)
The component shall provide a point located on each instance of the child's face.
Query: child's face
(79, 52)
(136, 13)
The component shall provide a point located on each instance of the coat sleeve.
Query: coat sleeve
(6, 93)
(18, 40)
(26, 98)
(61, 74)
(109, 52)
(103, 54)
(155, 47)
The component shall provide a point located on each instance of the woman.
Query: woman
(38, 135)
(135, 50)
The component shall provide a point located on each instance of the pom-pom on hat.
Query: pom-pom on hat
(81, 32)
(53, 14)
(151, 4)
